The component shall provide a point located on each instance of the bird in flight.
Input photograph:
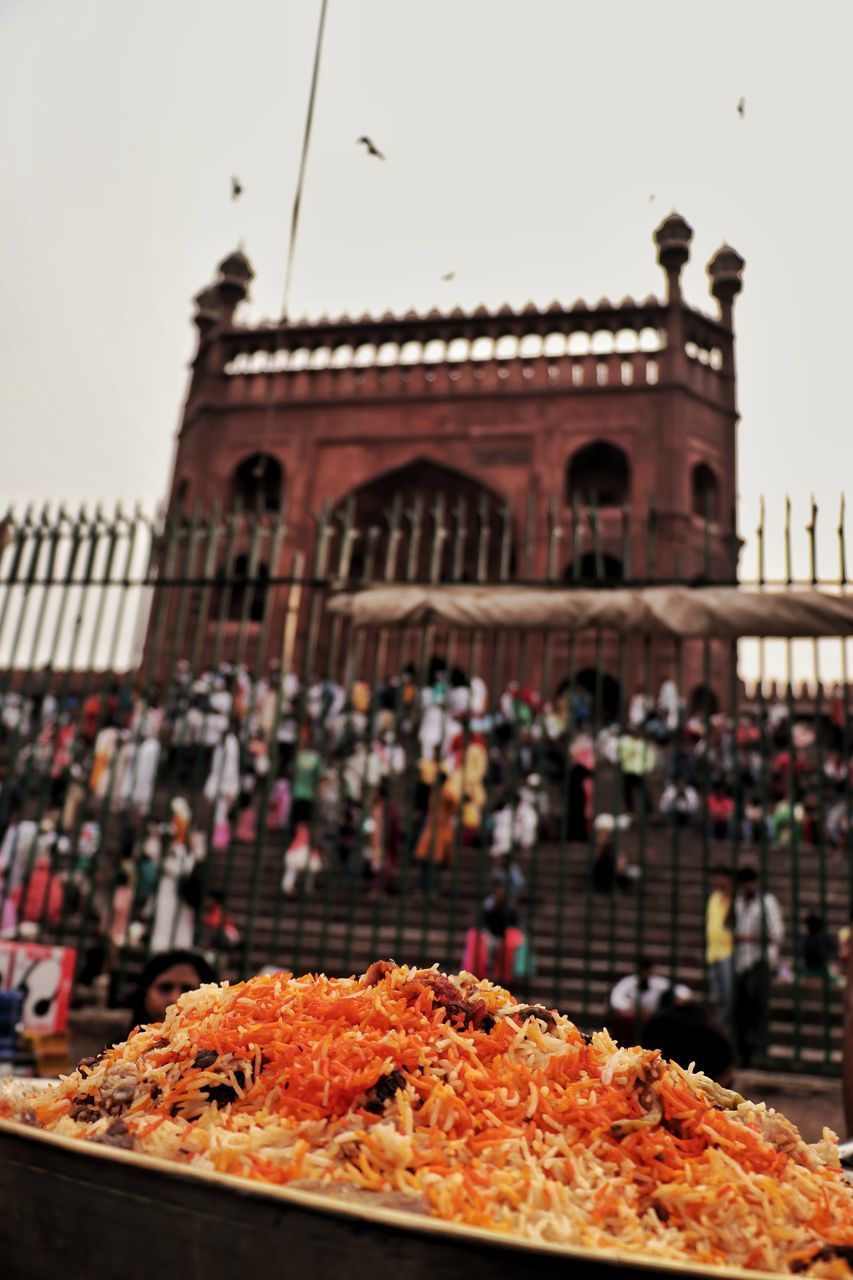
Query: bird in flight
(448, 276)
(236, 189)
(370, 147)
(741, 108)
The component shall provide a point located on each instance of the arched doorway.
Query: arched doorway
(705, 493)
(603, 690)
(257, 484)
(598, 475)
(446, 527)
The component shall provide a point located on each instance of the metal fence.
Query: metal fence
(428, 792)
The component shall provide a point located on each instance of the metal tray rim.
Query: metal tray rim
(380, 1215)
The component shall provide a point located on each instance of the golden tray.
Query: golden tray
(77, 1211)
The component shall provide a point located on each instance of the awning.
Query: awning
(690, 612)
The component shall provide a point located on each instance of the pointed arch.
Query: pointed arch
(257, 483)
(449, 526)
(705, 492)
(600, 474)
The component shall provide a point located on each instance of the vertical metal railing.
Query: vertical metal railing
(233, 594)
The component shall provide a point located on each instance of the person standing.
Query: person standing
(502, 925)
(759, 930)
(38, 899)
(719, 943)
(610, 863)
(223, 785)
(639, 708)
(669, 703)
(638, 759)
(106, 745)
(16, 851)
(307, 771)
(300, 859)
(145, 777)
(223, 780)
(435, 847)
(178, 895)
(720, 805)
(383, 831)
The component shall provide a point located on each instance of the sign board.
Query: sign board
(44, 975)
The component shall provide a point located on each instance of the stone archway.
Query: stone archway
(257, 484)
(598, 474)
(449, 527)
(604, 692)
(705, 493)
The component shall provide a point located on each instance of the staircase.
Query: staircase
(583, 941)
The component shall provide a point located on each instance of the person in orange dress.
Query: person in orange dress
(434, 848)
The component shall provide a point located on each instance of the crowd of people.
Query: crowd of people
(113, 799)
(744, 931)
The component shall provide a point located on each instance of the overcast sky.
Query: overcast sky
(524, 142)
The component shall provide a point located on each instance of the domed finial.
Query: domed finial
(673, 238)
(236, 267)
(235, 273)
(208, 310)
(725, 272)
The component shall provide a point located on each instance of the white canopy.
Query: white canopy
(699, 612)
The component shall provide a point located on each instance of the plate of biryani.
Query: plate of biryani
(428, 1117)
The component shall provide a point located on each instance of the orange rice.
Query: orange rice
(462, 1103)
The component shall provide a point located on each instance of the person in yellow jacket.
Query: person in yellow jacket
(637, 758)
(719, 943)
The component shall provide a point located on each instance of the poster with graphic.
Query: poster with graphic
(44, 976)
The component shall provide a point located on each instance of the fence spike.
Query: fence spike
(811, 530)
(842, 550)
(759, 541)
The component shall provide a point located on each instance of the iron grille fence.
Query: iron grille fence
(195, 749)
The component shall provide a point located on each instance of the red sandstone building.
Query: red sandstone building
(596, 421)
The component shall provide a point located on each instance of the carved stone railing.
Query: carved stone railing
(508, 377)
(483, 353)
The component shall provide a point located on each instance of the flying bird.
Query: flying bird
(741, 108)
(370, 147)
(448, 276)
(236, 189)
